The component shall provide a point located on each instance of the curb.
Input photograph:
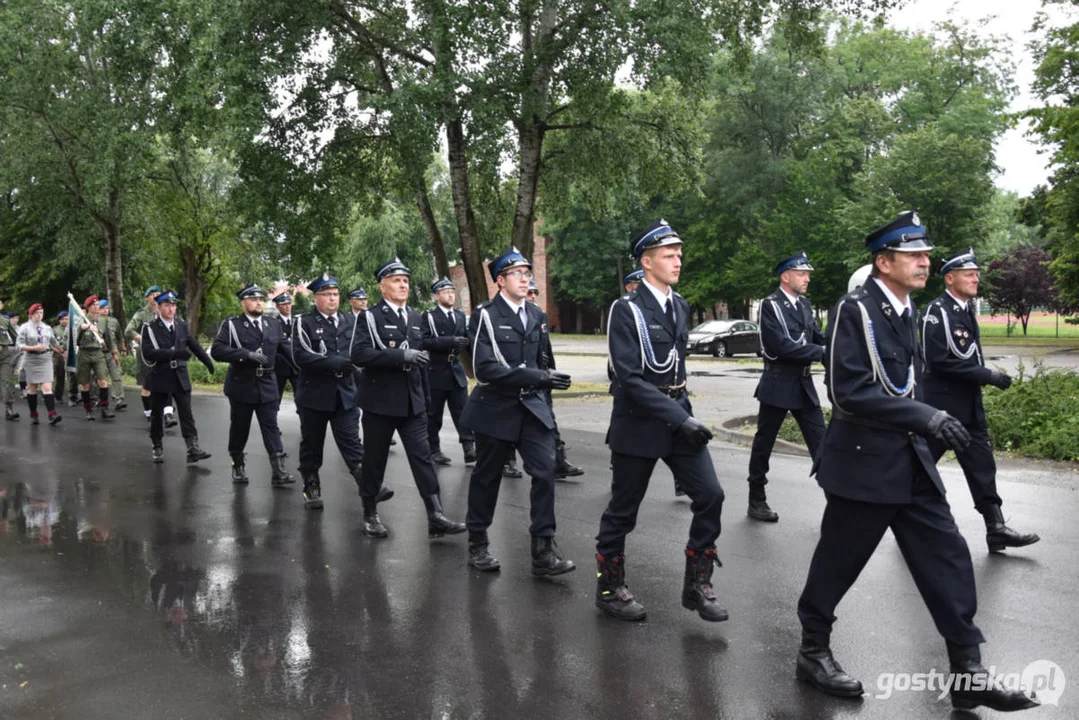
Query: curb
(727, 433)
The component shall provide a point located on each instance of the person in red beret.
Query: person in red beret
(93, 341)
(36, 341)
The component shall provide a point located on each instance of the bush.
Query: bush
(790, 431)
(1038, 416)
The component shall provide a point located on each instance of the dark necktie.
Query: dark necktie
(404, 320)
(523, 315)
(333, 321)
(670, 312)
(258, 327)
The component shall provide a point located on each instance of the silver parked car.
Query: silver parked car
(722, 338)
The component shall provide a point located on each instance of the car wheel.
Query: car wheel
(719, 349)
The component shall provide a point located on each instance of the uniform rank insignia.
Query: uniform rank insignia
(393, 343)
(786, 303)
(956, 308)
(655, 327)
(931, 318)
(543, 327)
(505, 327)
(318, 330)
(887, 308)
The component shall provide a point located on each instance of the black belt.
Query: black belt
(793, 370)
(174, 364)
(673, 392)
(845, 416)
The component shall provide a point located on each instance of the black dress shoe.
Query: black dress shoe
(817, 667)
(972, 685)
(170, 420)
(511, 470)
(437, 522)
(439, 459)
(547, 560)
(481, 558)
(999, 536)
(157, 456)
(469, 448)
(759, 510)
(373, 527)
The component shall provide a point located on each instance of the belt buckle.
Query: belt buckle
(339, 374)
(258, 371)
(174, 364)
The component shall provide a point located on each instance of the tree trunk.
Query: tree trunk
(438, 247)
(114, 271)
(194, 289)
(462, 210)
(580, 319)
(530, 148)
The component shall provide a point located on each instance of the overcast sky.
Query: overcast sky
(1018, 156)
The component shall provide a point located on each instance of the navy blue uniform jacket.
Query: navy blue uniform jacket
(174, 347)
(386, 386)
(780, 389)
(445, 370)
(244, 383)
(321, 353)
(952, 382)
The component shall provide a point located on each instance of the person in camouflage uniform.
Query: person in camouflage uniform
(112, 360)
(8, 353)
(143, 316)
(59, 360)
(94, 343)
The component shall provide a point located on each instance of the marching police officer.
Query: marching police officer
(508, 408)
(166, 347)
(877, 473)
(142, 317)
(94, 343)
(112, 360)
(357, 300)
(445, 333)
(388, 345)
(633, 279)
(510, 469)
(254, 346)
(8, 355)
(327, 390)
(284, 371)
(652, 419)
(563, 468)
(954, 374)
(791, 342)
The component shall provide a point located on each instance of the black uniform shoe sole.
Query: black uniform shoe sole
(999, 547)
(379, 535)
(551, 572)
(513, 475)
(443, 462)
(690, 605)
(433, 533)
(771, 518)
(576, 473)
(315, 504)
(490, 567)
(616, 613)
(245, 481)
(970, 704)
(283, 484)
(852, 694)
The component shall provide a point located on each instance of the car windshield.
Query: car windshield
(713, 326)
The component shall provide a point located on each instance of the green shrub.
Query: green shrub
(1038, 415)
(198, 374)
(790, 432)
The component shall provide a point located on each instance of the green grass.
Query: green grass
(1041, 331)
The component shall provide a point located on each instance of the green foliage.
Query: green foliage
(1038, 416)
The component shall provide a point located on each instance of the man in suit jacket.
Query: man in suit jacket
(652, 419)
(445, 333)
(955, 372)
(388, 345)
(254, 346)
(326, 394)
(791, 342)
(508, 408)
(166, 348)
(877, 473)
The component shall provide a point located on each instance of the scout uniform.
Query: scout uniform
(116, 375)
(8, 354)
(93, 343)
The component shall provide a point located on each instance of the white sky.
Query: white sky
(1022, 167)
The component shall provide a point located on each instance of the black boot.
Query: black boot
(437, 522)
(697, 591)
(312, 489)
(817, 667)
(968, 674)
(564, 468)
(758, 504)
(103, 403)
(194, 452)
(439, 459)
(10, 413)
(469, 447)
(1000, 536)
(510, 469)
(279, 476)
(170, 420)
(384, 493)
(372, 523)
(158, 455)
(239, 473)
(479, 556)
(546, 560)
(612, 595)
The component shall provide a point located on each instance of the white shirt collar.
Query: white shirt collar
(168, 324)
(792, 298)
(962, 303)
(447, 310)
(516, 307)
(254, 320)
(330, 318)
(660, 297)
(396, 308)
(898, 304)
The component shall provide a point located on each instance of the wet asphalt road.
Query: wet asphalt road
(129, 590)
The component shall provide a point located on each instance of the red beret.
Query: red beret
(92, 300)
(34, 308)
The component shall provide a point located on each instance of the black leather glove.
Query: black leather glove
(461, 341)
(209, 368)
(949, 431)
(182, 354)
(555, 380)
(1000, 379)
(343, 363)
(693, 432)
(416, 357)
(820, 355)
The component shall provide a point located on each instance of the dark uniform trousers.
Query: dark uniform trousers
(167, 377)
(791, 342)
(285, 373)
(877, 473)
(446, 375)
(251, 388)
(645, 422)
(954, 383)
(392, 395)
(510, 411)
(326, 391)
